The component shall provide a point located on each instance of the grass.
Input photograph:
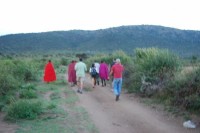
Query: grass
(73, 122)
(60, 113)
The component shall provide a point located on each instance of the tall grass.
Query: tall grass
(24, 109)
(8, 80)
(184, 89)
(152, 66)
(156, 63)
(14, 73)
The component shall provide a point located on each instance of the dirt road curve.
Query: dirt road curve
(127, 115)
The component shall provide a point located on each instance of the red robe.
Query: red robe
(103, 71)
(70, 67)
(49, 73)
(72, 72)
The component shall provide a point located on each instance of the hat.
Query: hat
(118, 60)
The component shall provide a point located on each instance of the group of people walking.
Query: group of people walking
(98, 71)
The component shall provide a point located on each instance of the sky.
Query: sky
(28, 16)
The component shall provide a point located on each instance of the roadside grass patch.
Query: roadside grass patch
(27, 94)
(24, 109)
(60, 112)
(51, 106)
(54, 96)
(71, 97)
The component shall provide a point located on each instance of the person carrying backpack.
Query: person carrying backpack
(93, 74)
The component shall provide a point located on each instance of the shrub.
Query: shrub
(28, 94)
(154, 67)
(9, 98)
(131, 78)
(51, 106)
(7, 80)
(193, 102)
(7, 83)
(156, 63)
(28, 87)
(25, 70)
(24, 109)
(1, 105)
(64, 61)
(184, 89)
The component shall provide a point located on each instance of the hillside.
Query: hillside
(182, 42)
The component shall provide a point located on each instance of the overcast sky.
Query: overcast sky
(25, 16)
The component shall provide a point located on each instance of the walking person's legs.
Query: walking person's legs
(97, 79)
(119, 87)
(94, 81)
(117, 83)
(115, 87)
(80, 84)
(104, 82)
(112, 83)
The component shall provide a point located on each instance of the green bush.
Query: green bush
(24, 109)
(1, 106)
(28, 87)
(152, 66)
(51, 106)
(25, 70)
(193, 103)
(9, 98)
(184, 90)
(64, 61)
(14, 73)
(7, 83)
(7, 80)
(28, 94)
(28, 91)
(156, 63)
(131, 78)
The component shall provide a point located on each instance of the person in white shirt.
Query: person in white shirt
(97, 66)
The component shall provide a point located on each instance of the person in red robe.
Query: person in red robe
(103, 73)
(49, 72)
(69, 72)
(72, 73)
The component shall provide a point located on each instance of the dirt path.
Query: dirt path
(127, 115)
(6, 127)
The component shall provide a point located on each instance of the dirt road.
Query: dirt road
(127, 115)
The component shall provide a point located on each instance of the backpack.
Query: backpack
(93, 72)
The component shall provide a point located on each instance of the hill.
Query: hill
(127, 38)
